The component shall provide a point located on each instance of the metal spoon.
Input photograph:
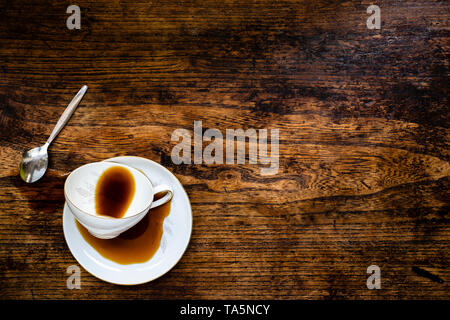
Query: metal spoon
(34, 162)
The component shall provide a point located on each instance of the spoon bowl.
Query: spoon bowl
(34, 164)
(35, 161)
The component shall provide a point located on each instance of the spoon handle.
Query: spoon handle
(66, 114)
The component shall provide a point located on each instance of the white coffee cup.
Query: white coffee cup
(79, 191)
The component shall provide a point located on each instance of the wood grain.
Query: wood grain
(364, 141)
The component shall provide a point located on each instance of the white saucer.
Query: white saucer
(177, 229)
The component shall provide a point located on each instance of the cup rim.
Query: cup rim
(106, 217)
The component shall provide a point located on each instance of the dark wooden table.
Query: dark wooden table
(364, 153)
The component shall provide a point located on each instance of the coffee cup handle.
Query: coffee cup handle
(167, 197)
